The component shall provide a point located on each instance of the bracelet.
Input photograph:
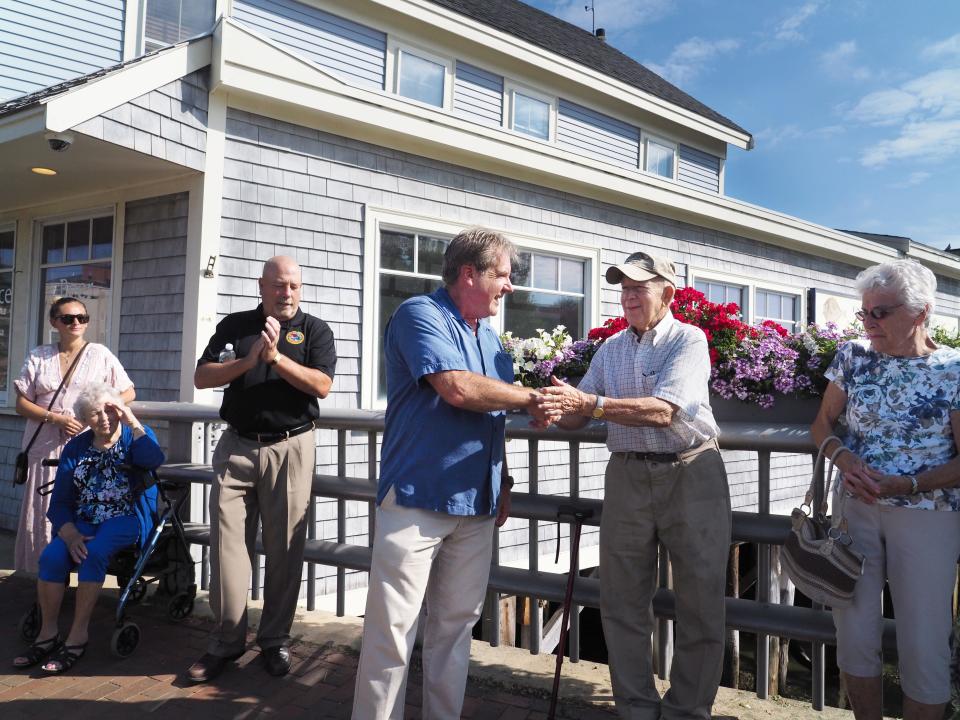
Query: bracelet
(46, 418)
(276, 359)
(914, 485)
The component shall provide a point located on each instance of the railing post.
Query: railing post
(372, 477)
(341, 522)
(817, 655)
(763, 574)
(574, 635)
(536, 617)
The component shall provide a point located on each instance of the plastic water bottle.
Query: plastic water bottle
(227, 353)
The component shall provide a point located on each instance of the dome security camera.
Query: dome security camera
(59, 141)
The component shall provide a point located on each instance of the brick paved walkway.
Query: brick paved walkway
(151, 683)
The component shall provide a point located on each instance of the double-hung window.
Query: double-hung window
(167, 22)
(548, 290)
(76, 261)
(7, 245)
(723, 293)
(781, 307)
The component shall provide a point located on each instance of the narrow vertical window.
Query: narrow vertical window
(660, 158)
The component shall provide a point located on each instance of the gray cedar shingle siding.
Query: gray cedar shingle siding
(587, 132)
(698, 169)
(478, 95)
(300, 191)
(151, 308)
(352, 51)
(169, 122)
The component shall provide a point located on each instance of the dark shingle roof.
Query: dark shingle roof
(551, 33)
(895, 241)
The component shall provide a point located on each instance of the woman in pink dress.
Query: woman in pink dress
(39, 379)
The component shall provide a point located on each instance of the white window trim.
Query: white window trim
(751, 285)
(660, 140)
(116, 264)
(395, 46)
(510, 88)
(388, 219)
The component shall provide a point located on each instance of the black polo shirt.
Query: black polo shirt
(260, 400)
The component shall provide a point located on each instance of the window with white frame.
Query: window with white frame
(781, 307)
(717, 291)
(76, 261)
(531, 115)
(420, 77)
(659, 157)
(7, 247)
(167, 22)
(550, 289)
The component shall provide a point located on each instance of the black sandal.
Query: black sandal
(38, 652)
(65, 659)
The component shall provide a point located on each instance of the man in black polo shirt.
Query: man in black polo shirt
(264, 462)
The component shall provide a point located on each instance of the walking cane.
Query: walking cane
(577, 515)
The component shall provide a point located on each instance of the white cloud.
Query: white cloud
(924, 141)
(790, 28)
(945, 48)
(689, 58)
(771, 137)
(914, 178)
(884, 107)
(614, 15)
(839, 62)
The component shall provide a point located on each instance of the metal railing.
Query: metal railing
(188, 461)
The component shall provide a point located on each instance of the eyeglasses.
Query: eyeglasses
(877, 313)
(83, 319)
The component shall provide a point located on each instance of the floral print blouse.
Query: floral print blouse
(103, 490)
(897, 417)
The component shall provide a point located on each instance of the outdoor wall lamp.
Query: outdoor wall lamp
(208, 273)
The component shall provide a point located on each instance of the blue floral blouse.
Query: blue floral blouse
(897, 417)
(103, 490)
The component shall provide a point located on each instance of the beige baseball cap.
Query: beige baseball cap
(641, 267)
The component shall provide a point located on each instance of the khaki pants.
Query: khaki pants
(257, 482)
(420, 555)
(686, 506)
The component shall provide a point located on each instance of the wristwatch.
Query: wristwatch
(598, 408)
(276, 359)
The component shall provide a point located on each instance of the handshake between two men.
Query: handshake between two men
(548, 405)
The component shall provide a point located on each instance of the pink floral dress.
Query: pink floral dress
(38, 381)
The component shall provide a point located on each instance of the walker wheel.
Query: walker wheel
(138, 590)
(180, 606)
(125, 639)
(29, 624)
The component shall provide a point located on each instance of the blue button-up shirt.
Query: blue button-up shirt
(436, 456)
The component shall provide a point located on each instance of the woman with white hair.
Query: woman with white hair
(899, 397)
(96, 509)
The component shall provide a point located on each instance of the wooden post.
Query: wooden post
(508, 621)
(731, 661)
(526, 623)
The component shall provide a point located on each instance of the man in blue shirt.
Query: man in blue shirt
(443, 479)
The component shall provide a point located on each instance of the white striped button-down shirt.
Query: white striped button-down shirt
(671, 362)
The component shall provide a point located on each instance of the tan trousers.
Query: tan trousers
(686, 506)
(257, 482)
(420, 555)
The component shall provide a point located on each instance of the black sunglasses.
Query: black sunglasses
(83, 319)
(877, 313)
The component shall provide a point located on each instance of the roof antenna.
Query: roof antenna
(593, 12)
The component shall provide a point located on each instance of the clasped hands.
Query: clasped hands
(265, 347)
(868, 484)
(547, 405)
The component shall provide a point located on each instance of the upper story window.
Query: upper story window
(76, 260)
(167, 22)
(659, 157)
(7, 245)
(781, 307)
(421, 78)
(531, 115)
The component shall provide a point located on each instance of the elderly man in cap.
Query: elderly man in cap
(665, 483)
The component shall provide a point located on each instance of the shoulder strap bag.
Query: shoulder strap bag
(22, 462)
(817, 555)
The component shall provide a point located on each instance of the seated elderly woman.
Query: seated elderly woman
(96, 509)
(899, 395)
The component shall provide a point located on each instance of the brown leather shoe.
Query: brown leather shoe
(208, 667)
(277, 660)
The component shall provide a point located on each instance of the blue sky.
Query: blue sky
(854, 104)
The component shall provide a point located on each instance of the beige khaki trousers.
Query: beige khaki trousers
(269, 483)
(686, 506)
(421, 555)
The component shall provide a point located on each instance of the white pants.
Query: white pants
(420, 555)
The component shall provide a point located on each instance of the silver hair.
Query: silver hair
(915, 285)
(476, 246)
(91, 394)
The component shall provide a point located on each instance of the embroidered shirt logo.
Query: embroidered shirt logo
(295, 337)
